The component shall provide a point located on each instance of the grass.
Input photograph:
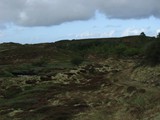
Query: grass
(4, 117)
(26, 98)
(34, 117)
(96, 114)
(139, 101)
(17, 103)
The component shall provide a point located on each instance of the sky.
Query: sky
(37, 21)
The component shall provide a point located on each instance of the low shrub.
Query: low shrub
(132, 52)
(119, 50)
(40, 62)
(77, 60)
(139, 101)
(152, 53)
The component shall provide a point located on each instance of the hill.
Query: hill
(89, 79)
(14, 52)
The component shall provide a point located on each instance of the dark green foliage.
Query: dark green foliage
(40, 62)
(116, 49)
(119, 50)
(23, 69)
(158, 36)
(77, 61)
(18, 103)
(142, 34)
(152, 53)
(132, 52)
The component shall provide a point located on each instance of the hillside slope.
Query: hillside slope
(39, 81)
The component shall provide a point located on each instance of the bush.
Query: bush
(119, 50)
(132, 52)
(158, 36)
(77, 61)
(140, 101)
(152, 53)
(142, 34)
(40, 62)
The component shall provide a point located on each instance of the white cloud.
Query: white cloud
(1, 34)
(106, 34)
(53, 12)
(133, 31)
(127, 9)
(2, 27)
(86, 35)
(158, 31)
(93, 35)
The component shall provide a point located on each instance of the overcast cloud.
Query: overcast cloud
(54, 12)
